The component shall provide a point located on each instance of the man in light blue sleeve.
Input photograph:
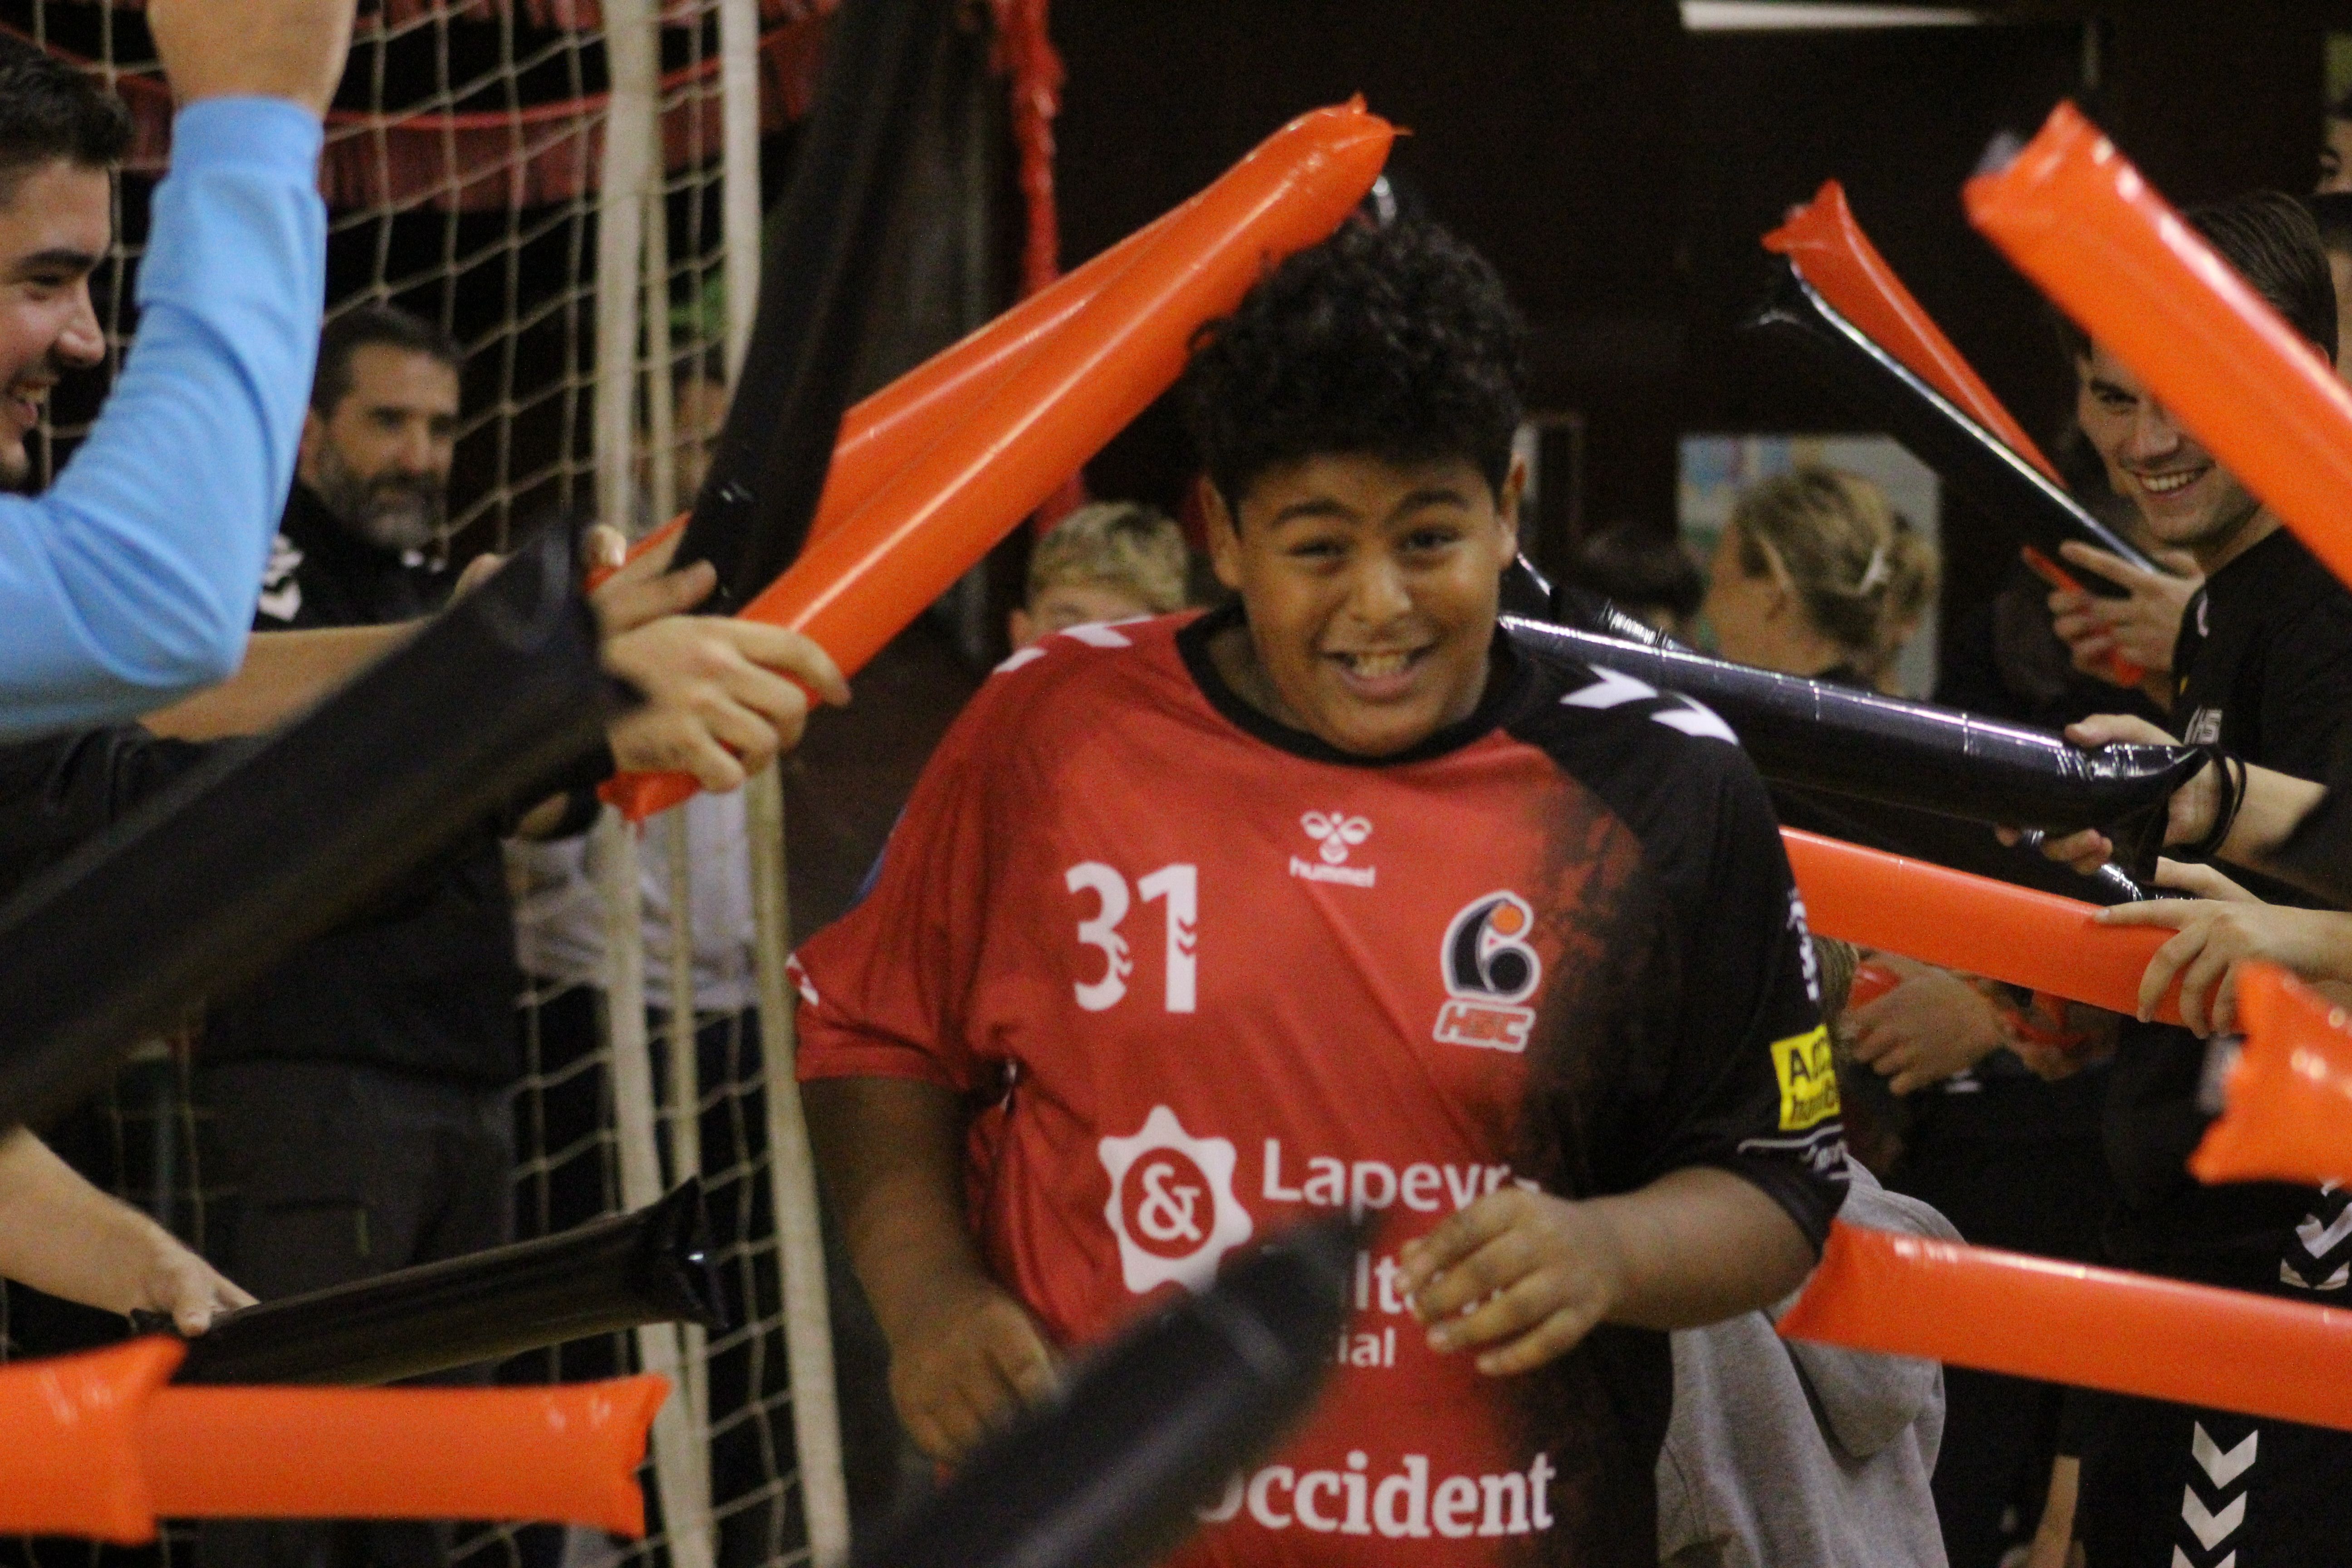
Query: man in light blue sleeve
(132, 581)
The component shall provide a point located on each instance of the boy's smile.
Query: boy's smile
(1370, 591)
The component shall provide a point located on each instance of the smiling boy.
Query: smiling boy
(1338, 899)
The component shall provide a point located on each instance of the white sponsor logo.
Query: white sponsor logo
(1401, 1505)
(1172, 1203)
(1334, 834)
(281, 590)
(1361, 1185)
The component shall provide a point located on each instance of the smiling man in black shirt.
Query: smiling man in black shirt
(2262, 670)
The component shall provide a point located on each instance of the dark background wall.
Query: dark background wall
(1619, 172)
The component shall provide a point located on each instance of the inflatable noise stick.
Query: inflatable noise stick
(856, 588)
(98, 1447)
(1884, 390)
(72, 1463)
(1150, 1430)
(566, 1454)
(2075, 217)
(1829, 249)
(651, 1267)
(1973, 924)
(210, 884)
(2287, 1099)
(884, 433)
(1825, 736)
(2068, 1323)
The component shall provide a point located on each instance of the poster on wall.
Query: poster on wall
(1715, 469)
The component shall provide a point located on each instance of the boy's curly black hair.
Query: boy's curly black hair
(1397, 343)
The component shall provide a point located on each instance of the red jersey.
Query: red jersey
(1208, 976)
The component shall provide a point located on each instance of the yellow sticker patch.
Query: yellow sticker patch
(1809, 1091)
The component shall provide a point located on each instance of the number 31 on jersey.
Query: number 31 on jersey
(1177, 889)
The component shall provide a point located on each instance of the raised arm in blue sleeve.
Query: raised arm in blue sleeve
(132, 581)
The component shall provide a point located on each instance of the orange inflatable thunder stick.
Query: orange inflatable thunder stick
(1973, 924)
(886, 431)
(70, 1457)
(2069, 1323)
(1836, 258)
(97, 1446)
(567, 1453)
(2079, 220)
(2288, 1105)
(853, 589)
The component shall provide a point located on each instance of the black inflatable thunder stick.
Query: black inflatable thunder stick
(1148, 1428)
(651, 1267)
(1825, 736)
(767, 471)
(213, 882)
(1883, 390)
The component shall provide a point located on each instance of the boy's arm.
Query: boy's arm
(965, 1357)
(1694, 1246)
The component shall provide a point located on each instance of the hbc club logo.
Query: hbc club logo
(1172, 1203)
(1489, 971)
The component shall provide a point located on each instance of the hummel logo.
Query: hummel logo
(1335, 833)
(1338, 833)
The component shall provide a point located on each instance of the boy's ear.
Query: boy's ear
(1224, 536)
(1020, 628)
(1506, 503)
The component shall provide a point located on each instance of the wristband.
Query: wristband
(2225, 811)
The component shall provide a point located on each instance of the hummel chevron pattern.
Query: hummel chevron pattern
(2320, 1258)
(2213, 1525)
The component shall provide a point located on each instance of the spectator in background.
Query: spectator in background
(121, 587)
(2263, 670)
(2331, 214)
(1813, 577)
(1817, 575)
(360, 1092)
(1108, 561)
(2335, 148)
(130, 581)
(1646, 574)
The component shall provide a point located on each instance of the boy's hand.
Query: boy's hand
(1535, 1273)
(970, 1362)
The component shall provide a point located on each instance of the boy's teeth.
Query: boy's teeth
(1376, 665)
(2165, 484)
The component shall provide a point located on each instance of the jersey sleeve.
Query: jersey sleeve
(1737, 1069)
(882, 989)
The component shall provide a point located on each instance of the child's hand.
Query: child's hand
(1536, 1271)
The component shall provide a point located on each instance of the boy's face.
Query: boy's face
(1065, 604)
(1371, 589)
(2187, 501)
